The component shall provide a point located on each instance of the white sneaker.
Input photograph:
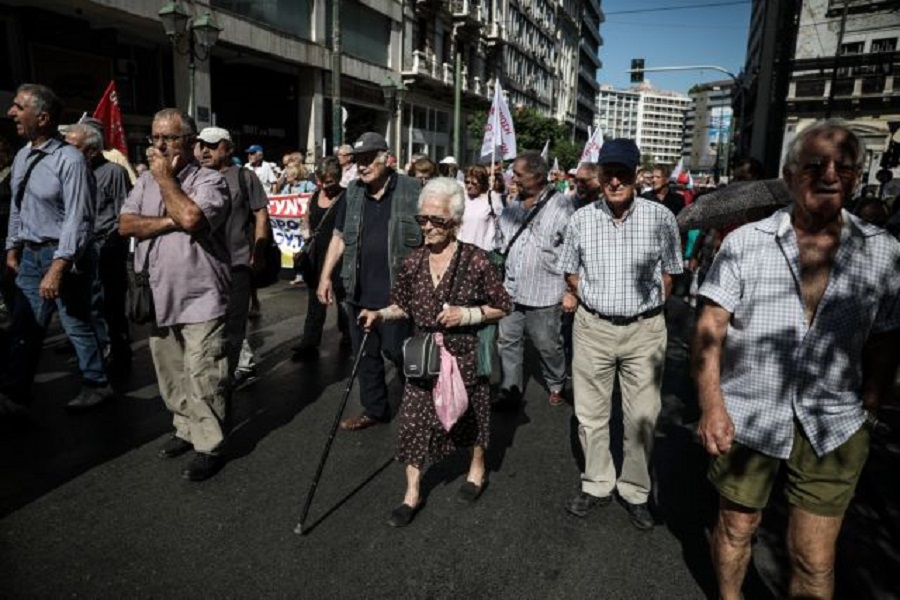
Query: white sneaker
(90, 397)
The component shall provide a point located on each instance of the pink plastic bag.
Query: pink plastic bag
(450, 397)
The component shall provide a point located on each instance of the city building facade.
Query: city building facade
(653, 118)
(269, 79)
(708, 133)
(809, 59)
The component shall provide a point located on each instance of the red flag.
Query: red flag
(108, 111)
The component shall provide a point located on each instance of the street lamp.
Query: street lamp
(202, 34)
(393, 99)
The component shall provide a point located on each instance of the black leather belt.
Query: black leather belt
(626, 320)
(44, 244)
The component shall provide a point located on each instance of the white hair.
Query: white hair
(448, 190)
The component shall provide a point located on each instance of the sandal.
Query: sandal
(359, 422)
(403, 515)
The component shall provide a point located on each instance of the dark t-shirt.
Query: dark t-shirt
(373, 281)
(241, 222)
(113, 186)
(673, 200)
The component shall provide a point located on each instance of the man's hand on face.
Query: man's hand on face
(163, 167)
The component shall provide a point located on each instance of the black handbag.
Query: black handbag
(272, 269)
(421, 357)
(272, 253)
(139, 306)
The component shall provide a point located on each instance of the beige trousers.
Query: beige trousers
(637, 353)
(192, 370)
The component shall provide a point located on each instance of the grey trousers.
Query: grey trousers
(192, 372)
(637, 353)
(543, 326)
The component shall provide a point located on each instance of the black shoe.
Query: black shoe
(639, 515)
(203, 466)
(244, 377)
(583, 502)
(469, 492)
(174, 446)
(507, 400)
(403, 515)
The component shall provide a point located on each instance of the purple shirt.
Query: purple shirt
(189, 273)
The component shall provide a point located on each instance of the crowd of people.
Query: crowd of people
(796, 336)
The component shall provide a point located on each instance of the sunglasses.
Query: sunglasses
(439, 222)
(818, 167)
(208, 144)
(625, 176)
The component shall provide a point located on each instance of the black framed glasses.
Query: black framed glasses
(440, 222)
(168, 139)
(818, 167)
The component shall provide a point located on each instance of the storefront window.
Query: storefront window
(290, 16)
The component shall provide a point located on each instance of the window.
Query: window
(884, 45)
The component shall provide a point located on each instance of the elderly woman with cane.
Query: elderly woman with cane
(449, 289)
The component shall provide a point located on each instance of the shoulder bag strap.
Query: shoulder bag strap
(20, 193)
(325, 216)
(146, 268)
(545, 196)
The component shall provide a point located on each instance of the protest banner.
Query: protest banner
(288, 214)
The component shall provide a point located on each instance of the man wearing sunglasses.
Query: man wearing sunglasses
(797, 340)
(178, 213)
(374, 230)
(619, 256)
(248, 233)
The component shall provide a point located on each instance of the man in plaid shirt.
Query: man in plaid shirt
(619, 254)
(797, 340)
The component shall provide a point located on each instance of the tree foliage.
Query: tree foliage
(532, 132)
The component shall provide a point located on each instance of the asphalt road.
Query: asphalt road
(88, 510)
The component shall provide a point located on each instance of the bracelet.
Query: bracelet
(384, 313)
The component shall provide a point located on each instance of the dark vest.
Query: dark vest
(405, 234)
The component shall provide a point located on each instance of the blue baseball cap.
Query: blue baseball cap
(620, 151)
(254, 149)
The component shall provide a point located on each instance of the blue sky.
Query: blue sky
(668, 36)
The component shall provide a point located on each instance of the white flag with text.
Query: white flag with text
(499, 133)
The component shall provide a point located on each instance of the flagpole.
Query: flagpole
(495, 125)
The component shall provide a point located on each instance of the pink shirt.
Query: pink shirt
(190, 274)
(478, 225)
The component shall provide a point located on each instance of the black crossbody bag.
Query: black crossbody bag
(498, 257)
(421, 355)
(139, 306)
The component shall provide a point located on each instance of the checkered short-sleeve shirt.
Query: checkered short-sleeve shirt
(620, 265)
(774, 366)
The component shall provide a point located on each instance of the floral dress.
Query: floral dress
(421, 435)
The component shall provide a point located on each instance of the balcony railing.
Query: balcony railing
(465, 9)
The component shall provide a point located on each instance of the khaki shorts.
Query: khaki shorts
(822, 486)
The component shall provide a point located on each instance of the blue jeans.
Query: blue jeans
(32, 316)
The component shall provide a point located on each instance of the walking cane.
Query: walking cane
(334, 427)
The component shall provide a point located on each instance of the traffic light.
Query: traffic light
(637, 70)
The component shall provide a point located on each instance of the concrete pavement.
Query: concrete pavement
(89, 511)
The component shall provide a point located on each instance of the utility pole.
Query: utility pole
(837, 55)
(457, 103)
(337, 117)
